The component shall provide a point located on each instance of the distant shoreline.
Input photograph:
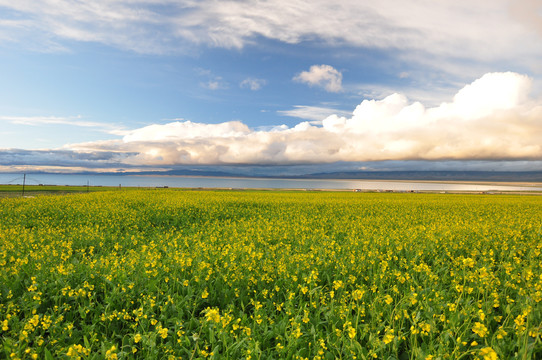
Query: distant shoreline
(466, 182)
(456, 177)
(244, 182)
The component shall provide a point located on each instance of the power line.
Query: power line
(24, 182)
(12, 181)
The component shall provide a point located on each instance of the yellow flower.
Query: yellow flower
(137, 338)
(520, 322)
(501, 333)
(306, 317)
(71, 352)
(357, 294)
(479, 329)
(488, 354)
(35, 320)
(205, 294)
(388, 338)
(351, 332)
(110, 354)
(469, 262)
(426, 328)
(388, 299)
(212, 315)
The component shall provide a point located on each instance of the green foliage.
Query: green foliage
(158, 274)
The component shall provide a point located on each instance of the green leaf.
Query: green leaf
(85, 341)
(48, 355)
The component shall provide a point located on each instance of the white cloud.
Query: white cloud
(315, 113)
(186, 130)
(497, 30)
(58, 120)
(491, 119)
(323, 76)
(213, 82)
(502, 91)
(528, 12)
(211, 85)
(253, 84)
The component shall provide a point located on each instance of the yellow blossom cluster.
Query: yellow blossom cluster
(178, 274)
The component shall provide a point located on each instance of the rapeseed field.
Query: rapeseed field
(168, 274)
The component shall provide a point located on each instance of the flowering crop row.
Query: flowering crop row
(158, 274)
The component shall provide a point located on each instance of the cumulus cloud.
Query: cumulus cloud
(493, 118)
(252, 84)
(324, 76)
(187, 130)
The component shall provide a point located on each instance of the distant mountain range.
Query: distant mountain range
(490, 176)
(500, 176)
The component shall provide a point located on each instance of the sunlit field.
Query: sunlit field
(35, 190)
(159, 274)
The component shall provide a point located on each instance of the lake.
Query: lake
(254, 183)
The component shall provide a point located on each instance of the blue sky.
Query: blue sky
(288, 86)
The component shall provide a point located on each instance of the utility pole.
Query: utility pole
(24, 183)
(87, 186)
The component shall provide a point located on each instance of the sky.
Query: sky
(270, 87)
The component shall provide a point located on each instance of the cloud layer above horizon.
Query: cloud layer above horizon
(491, 118)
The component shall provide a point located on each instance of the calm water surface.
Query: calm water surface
(249, 183)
